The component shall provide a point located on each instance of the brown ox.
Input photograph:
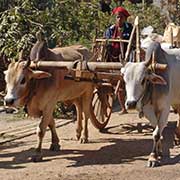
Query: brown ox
(39, 91)
(40, 51)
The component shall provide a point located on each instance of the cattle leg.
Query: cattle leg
(55, 140)
(79, 128)
(86, 110)
(41, 129)
(153, 158)
(84, 139)
(157, 146)
(150, 114)
(177, 131)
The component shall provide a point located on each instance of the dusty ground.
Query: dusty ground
(111, 155)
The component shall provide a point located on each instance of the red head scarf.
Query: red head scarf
(120, 10)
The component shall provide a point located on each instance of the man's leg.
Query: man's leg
(121, 98)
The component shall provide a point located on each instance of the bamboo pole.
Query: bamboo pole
(93, 66)
(51, 64)
(131, 39)
(137, 41)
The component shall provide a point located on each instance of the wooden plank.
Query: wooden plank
(109, 76)
(84, 75)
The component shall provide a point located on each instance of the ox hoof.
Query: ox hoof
(37, 158)
(177, 137)
(152, 164)
(83, 141)
(176, 141)
(78, 137)
(55, 147)
(160, 155)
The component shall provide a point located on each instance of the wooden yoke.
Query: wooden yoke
(92, 66)
(90, 71)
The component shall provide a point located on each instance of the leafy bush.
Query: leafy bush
(63, 22)
(148, 15)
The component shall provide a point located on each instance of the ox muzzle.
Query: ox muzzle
(9, 101)
(131, 104)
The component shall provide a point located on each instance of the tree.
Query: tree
(63, 22)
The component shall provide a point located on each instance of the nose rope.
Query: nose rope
(30, 94)
(145, 97)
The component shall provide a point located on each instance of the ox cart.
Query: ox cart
(101, 75)
(105, 75)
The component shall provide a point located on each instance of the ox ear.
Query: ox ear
(5, 72)
(156, 79)
(40, 74)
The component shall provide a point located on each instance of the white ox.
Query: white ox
(39, 91)
(152, 92)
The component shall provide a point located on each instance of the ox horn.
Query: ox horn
(159, 67)
(21, 53)
(40, 36)
(27, 63)
(151, 60)
(2, 94)
(153, 65)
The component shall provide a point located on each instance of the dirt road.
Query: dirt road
(111, 155)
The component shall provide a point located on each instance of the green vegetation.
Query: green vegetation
(148, 15)
(63, 22)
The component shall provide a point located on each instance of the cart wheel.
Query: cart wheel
(102, 102)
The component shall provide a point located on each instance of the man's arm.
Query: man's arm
(109, 32)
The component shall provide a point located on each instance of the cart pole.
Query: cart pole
(137, 41)
(131, 39)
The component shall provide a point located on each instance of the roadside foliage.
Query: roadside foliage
(63, 22)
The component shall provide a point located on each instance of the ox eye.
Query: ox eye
(23, 80)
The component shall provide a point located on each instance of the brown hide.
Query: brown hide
(50, 90)
(39, 91)
(40, 51)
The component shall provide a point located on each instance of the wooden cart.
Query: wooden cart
(105, 75)
(105, 93)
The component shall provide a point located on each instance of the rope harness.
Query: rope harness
(32, 92)
(145, 97)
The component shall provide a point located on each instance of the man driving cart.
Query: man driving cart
(121, 29)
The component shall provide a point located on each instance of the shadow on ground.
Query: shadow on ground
(117, 151)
